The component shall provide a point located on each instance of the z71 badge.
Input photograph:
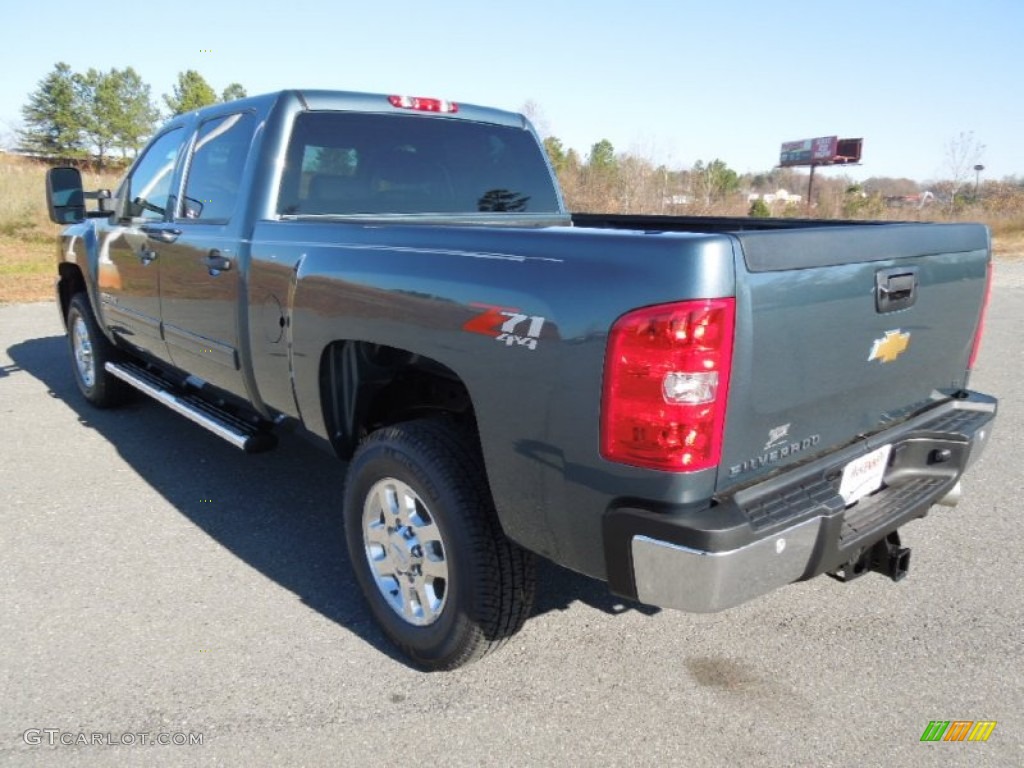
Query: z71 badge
(507, 325)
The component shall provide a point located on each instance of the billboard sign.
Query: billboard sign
(819, 151)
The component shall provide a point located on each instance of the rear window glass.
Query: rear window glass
(348, 163)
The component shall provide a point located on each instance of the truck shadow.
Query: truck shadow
(279, 511)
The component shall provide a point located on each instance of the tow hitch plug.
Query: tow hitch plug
(886, 557)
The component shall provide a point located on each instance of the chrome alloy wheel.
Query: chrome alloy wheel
(81, 344)
(406, 554)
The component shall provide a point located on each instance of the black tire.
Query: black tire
(90, 351)
(489, 582)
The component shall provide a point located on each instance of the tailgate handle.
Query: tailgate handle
(895, 289)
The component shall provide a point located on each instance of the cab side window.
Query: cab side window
(214, 181)
(149, 186)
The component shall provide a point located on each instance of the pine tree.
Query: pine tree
(556, 153)
(232, 92)
(138, 116)
(602, 155)
(759, 209)
(54, 116)
(118, 111)
(98, 95)
(191, 92)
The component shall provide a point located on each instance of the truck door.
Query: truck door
(199, 285)
(128, 273)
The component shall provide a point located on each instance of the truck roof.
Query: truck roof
(352, 101)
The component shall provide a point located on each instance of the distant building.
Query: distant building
(779, 196)
(910, 201)
(678, 200)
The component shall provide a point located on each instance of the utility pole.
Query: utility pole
(810, 188)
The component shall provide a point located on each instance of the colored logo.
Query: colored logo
(890, 346)
(958, 730)
(507, 325)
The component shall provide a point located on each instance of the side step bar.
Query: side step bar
(239, 433)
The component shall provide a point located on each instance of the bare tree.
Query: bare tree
(963, 152)
(535, 115)
(8, 134)
(636, 193)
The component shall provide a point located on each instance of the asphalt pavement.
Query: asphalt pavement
(158, 585)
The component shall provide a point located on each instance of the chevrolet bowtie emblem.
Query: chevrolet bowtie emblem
(890, 346)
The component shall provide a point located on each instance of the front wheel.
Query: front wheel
(441, 578)
(90, 352)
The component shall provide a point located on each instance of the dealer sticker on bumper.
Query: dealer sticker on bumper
(864, 475)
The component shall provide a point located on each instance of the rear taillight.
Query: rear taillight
(976, 346)
(423, 105)
(666, 383)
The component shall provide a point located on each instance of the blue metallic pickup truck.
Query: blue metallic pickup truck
(695, 410)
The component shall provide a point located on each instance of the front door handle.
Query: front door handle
(161, 234)
(216, 262)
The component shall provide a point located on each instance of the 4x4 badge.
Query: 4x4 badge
(890, 346)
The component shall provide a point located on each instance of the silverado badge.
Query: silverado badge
(890, 346)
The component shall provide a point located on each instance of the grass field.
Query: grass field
(28, 238)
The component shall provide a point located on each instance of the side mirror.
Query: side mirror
(193, 208)
(65, 198)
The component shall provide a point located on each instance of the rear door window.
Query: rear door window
(348, 163)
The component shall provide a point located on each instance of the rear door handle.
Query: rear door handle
(216, 262)
(161, 234)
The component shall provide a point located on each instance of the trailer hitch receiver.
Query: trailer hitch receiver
(886, 557)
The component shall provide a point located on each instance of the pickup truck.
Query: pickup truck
(694, 410)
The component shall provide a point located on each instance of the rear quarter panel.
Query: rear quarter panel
(537, 410)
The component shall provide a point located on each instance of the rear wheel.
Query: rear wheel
(90, 352)
(440, 577)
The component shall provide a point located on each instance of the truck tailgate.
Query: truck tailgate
(843, 331)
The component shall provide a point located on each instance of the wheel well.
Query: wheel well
(367, 386)
(70, 283)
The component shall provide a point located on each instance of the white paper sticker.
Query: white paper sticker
(864, 475)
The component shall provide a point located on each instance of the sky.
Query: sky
(676, 81)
